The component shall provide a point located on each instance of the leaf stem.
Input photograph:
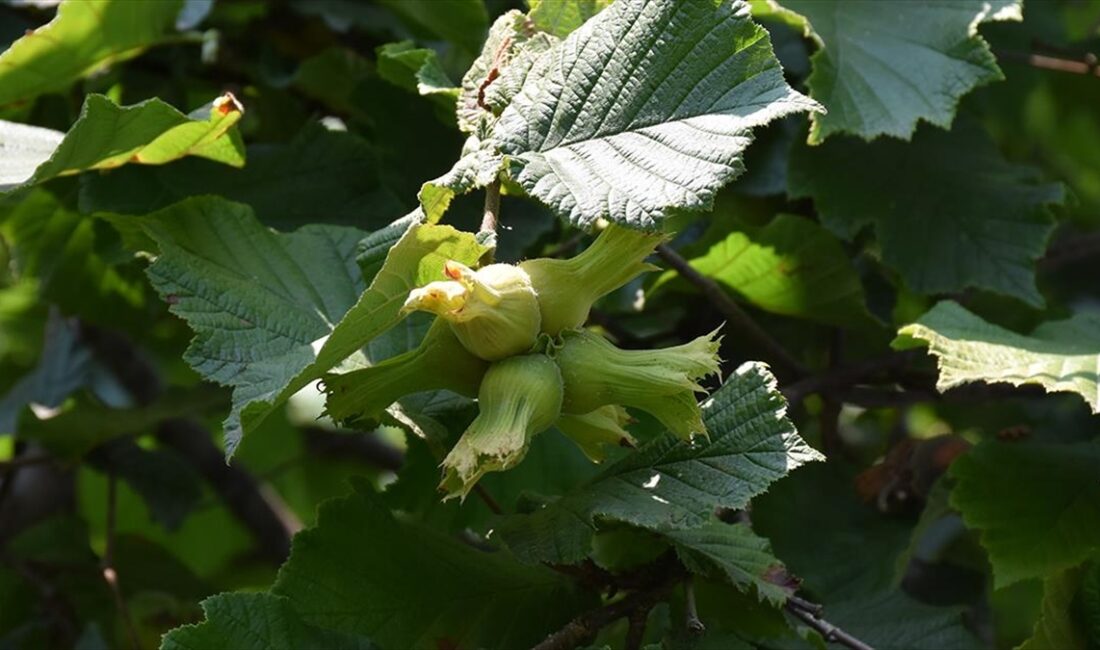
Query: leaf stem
(733, 313)
(492, 207)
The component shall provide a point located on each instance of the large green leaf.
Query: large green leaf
(256, 622)
(273, 312)
(83, 37)
(656, 117)
(792, 266)
(1037, 505)
(670, 483)
(106, 136)
(1060, 356)
(738, 555)
(850, 563)
(320, 176)
(475, 600)
(949, 211)
(883, 66)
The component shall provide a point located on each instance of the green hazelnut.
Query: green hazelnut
(493, 310)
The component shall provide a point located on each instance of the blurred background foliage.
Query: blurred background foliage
(335, 132)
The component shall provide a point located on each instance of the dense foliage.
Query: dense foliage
(561, 323)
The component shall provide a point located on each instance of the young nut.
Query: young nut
(593, 432)
(567, 288)
(662, 383)
(439, 362)
(519, 398)
(493, 311)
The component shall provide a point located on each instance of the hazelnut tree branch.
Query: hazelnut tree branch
(736, 316)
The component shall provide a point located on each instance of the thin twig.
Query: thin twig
(849, 375)
(108, 563)
(487, 498)
(492, 207)
(692, 622)
(1087, 65)
(736, 316)
(828, 631)
(636, 624)
(24, 461)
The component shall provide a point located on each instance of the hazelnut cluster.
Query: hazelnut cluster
(511, 336)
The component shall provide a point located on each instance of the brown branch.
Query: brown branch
(848, 375)
(110, 576)
(262, 512)
(741, 321)
(586, 626)
(487, 498)
(24, 461)
(492, 207)
(810, 614)
(1070, 249)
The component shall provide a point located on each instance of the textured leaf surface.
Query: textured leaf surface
(744, 558)
(511, 42)
(82, 38)
(884, 66)
(1060, 356)
(792, 266)
(106, 136)
(477, 599)
(948, 210)
(672, 484)
(1056, 627)
(256, 622)
(1037, 506)
(272, 312)
(648, 106)
(850, 565)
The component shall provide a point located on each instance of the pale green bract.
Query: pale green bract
(106, 136)
(648, 106)
(1060, 356)
(884, 66)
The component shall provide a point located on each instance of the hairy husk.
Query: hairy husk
(567, 289)
(597, 430)
(519, 398)
(662, 383)
(439, 362)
